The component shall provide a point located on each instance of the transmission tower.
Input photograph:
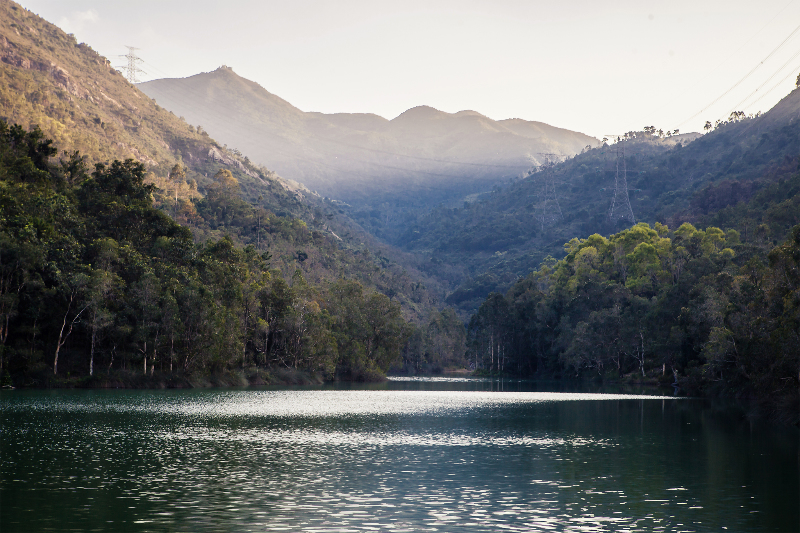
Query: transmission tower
(132, 68)
(549, 208)
(621, 203)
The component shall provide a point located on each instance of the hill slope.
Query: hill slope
(82, 103)
(714, 179)
(713, 310)
(72, 93)
(358, 157)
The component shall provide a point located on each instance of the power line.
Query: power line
(743, 79)
(154, 67)
(754, 102)
(736, 108)
(728, 58)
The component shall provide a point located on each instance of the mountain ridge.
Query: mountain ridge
(354, 157)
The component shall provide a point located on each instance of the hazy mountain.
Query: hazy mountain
(364, 157)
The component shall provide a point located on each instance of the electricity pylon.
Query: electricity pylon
(549, 210)
(621, 203)
(132, 68)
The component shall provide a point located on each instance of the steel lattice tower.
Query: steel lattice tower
(621, 203)
(132, 68)
(550, 209)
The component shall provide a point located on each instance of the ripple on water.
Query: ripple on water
(327, 460)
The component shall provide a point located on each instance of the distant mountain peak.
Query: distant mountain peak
(361, 156)
(419, 112)
(469, 113)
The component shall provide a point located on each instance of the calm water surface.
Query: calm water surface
(410, 455)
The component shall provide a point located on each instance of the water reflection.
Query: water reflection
(397, 459)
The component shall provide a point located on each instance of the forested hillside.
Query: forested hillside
(80, 101)
(178, 254)
(698, 308)
(712, 310)
(94, 278)
(383, 174)
(77, 99)
(735, 176)
(49, 81)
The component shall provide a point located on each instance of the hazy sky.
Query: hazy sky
(598, 67)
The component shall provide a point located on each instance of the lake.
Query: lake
(445, 454)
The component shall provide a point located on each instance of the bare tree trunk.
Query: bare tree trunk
(491, 352)
(113, 349)
(641, 352)
(91, 353)
(3, 337)
(62, 338)
(155, 354)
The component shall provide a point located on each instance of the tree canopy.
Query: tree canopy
(694, 306)
(94, 278)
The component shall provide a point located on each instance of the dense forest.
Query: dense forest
(96, 281)
(697, 308)
(52, 83)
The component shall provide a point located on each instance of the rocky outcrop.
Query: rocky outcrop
(216, 155)
(61, 78)
(137, 154)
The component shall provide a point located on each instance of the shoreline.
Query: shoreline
(121, 379)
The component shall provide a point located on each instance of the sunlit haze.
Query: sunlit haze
(594, 67)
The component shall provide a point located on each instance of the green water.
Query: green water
(446, 455)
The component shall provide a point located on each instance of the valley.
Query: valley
(468, 227)
(380, 302)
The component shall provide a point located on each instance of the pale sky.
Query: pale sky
(598, 67)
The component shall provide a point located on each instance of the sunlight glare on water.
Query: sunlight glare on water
(331, 403)
(382, 460)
